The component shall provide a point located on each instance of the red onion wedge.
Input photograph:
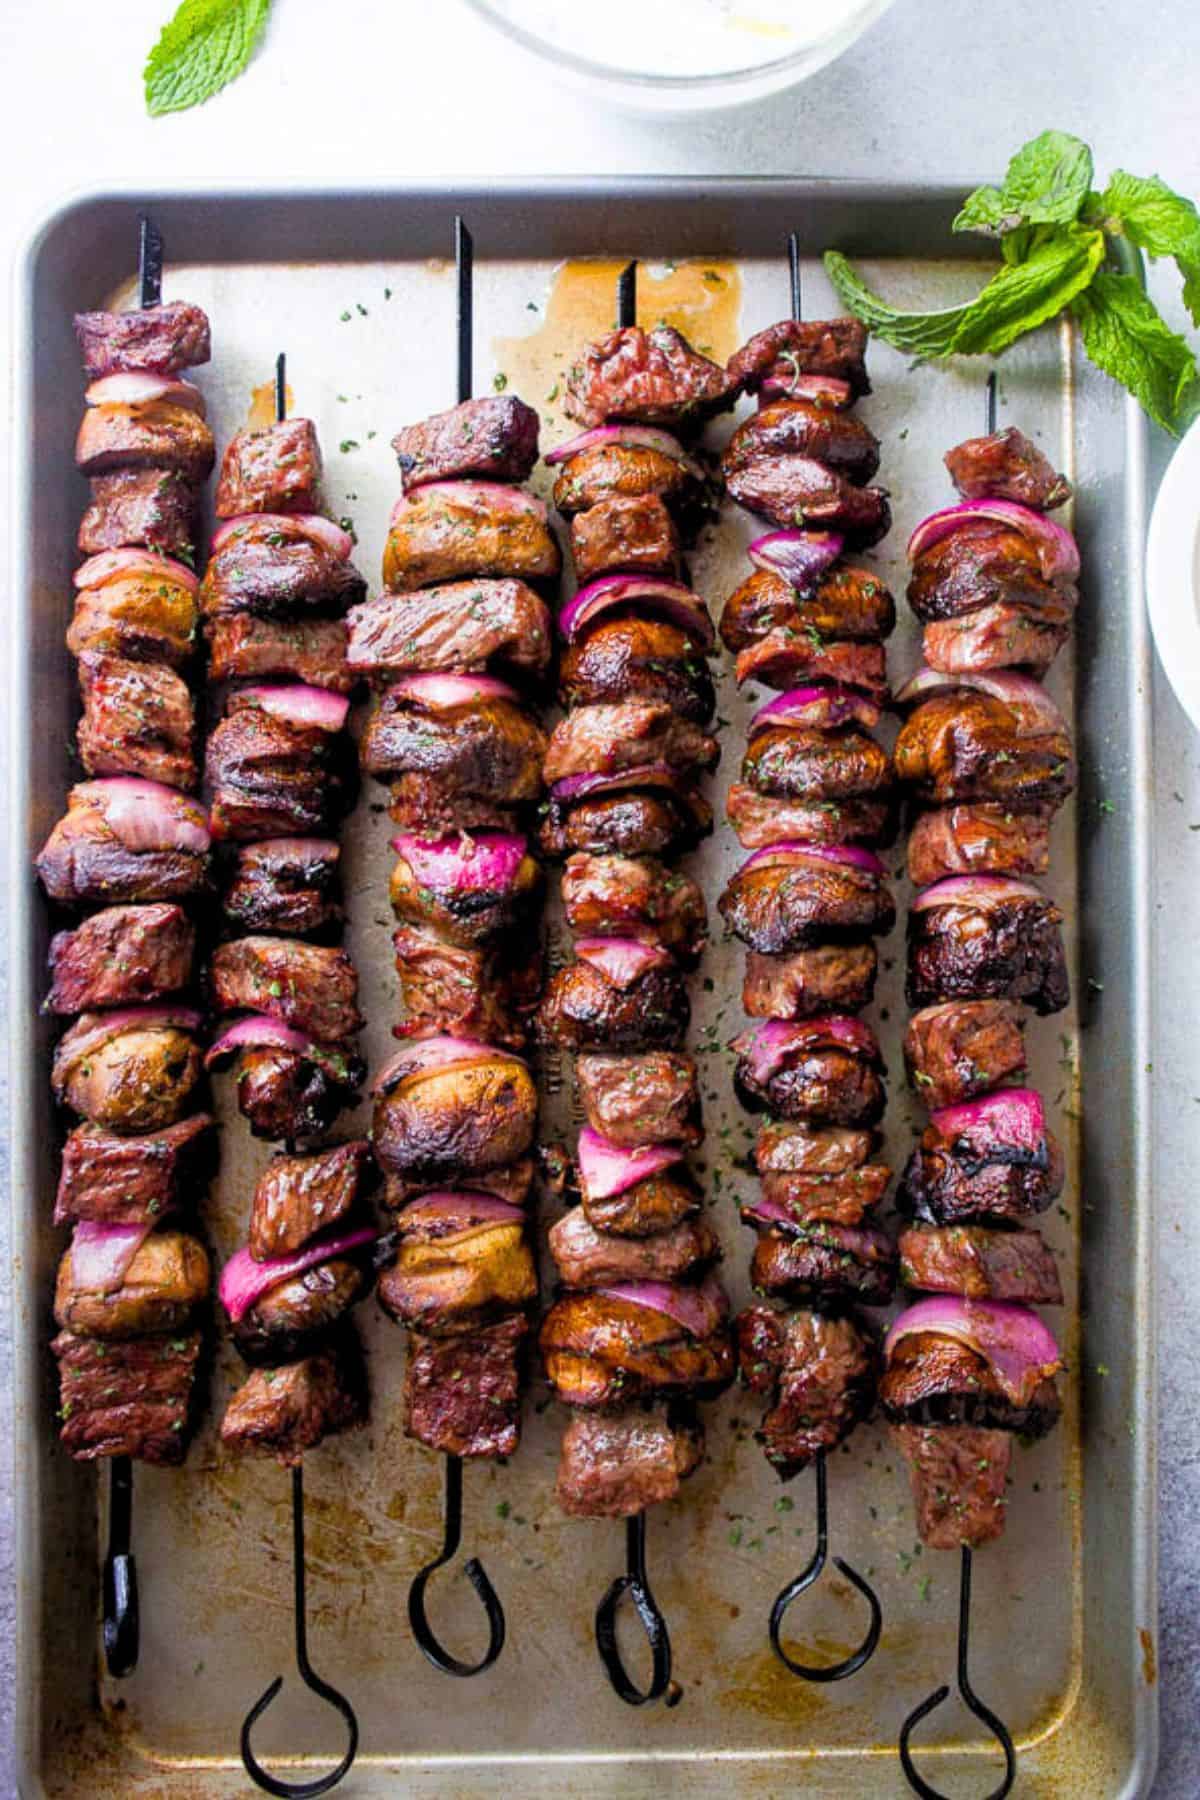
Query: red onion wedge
(981, 892)
(1008, 1125)
(622, 961)
(296, 703)
(111, 565)
(801, 557)
(258, 1031)
(135, 388)
(425, 1054)
(699, 1310)
(632, 437)
(462, 1209)
(146, 815)
(316, 526)
(818, 390)
(484, 496)
(439, 693)
(666, 599)
(486, 862)
(606, 1169)
(1015, 1343)
(244, 1282)
(1058, 553)
(818, 709)
(579, 787)
(851, 856)
(768, 1047)
(101, 1254)
(1034, 709)
(92, 1030)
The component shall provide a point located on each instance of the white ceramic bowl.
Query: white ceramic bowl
(1173, 574)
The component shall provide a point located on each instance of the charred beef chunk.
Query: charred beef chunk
(634, 897)
(134, 1076)
(462, 914)
(1010, 949)
(789, 1148)
(494, 439)
(583, 1009)
(154, 507)
(473, 991)
(274, 568)
(271, 778)
(845, 602)
(962, 1048)
(127, 1398)
(145, 434)
(308, 650)
(799, 428)
(602, 1353)
(983, 564)
(788, 658)
(430, 807)
(1004, 636)
(587, 1258)
(818, 1374)
(483, 750)
(285, 1411)
(652, 1206)
(984, 839)
(796, 347)
(462, 1395)
(643, 820)
(291, 1319)
(626, 472)
(165, 1282)
(763, 819)
(821, 1261)
(632, 657)
(312, 987)
(932, 1380)
(449, 1122)
(630, 536)
(649, 378)
(272, 468)
(292, 1097)
(791, 902)
(959, 1482)
(121, 957)
(156, 340)
(626, 735)
(117, 1180)
(98, 852)
(972, 746)
(844, 1199)
(791, 491)
(1006, 466)
(947, 1182)
(137, 719)
(457, 1268)
(816, 1074)
(817, 767)
(611, 1467)
(145, 617)
(288, 885)
(806, 983)
(299, 1196)
(455, 530)
(653, 1098)
(980, 1263)
(459, 626)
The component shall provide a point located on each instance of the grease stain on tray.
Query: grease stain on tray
(262, 404)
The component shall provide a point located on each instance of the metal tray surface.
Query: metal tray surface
(358, 289)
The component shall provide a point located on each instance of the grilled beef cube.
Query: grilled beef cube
(835, 439)
(271, 778)
(844, 1199)
(462, 1395)
(959, 1479)
(817, 767)
(825, 1262)
(933, 1380)
(634, 536)
(312, 987)
(494, 438)
(763, 819)
(288, 885)
(275, 568)
(626, 472)
(451, 531)
(786, 1148)
(806, 983)
(651, 1207)
(818, 1075)
(98, 852)
(646, 377)
(156, 340)
(790, 491)
(474, 991)
(795, 347)
(165, 1282)
(962, 1048)
(137, 719)
(290, 1097)
(486, 750)
(971, 746)
(587, 1258)
(146, 434)
(458, 1269)
(131, 1398)
(638, 658)
(600, 1352)
(615, 1467)
(308, 650)
(983, 564)
(450, 1122)
(121, 957)
(430, 807)
(583, 1009)
(299, 1196)
(118, 1180)
(818, 1374)
(946, 1183)
(513, 1182)
(466, 914)
(154, 507)
(844, 602)
(285, 1411)
(146, 617)
(634, 897)
(984, 839)
(1010, 949)
(635, 821)
(1006, 466)
(1004, 636)
(980, 1263)
(653, 1098)
(272, 468)
(133, 1076)
(460, 626)
(292, 1319)
(607, 739)
(788, 902)
(786, 658)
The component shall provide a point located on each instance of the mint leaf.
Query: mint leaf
(921, 334)
(1161, 221)
(984, 210)
(202, 48)
(1125, 336)
(1046, 184)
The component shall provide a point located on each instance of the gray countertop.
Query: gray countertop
(938, 90)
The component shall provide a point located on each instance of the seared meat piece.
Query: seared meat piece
(291, 1097)
(653, 1098)
(587, 1258)
(473, 903)
(494, 438)
(625, 471)
(146, 617)
(157, 340)
(453, 530)
(934, 1380)
(286, 885)
(947, 1182)
(786, 658)
(513, 1182)
(634, 897)
(1006, 466)
(131, 1071)
(292, 1319)
(784, 1149)
(984, 839)
(130, 1398)
(458, 1268)
(583, 1009)
(846, 602)
(614, 1467)
(165, 1282)
(460, 626)
(429, 807)
(274, 567)
(799, 428)
(646, 377)
(823, 1262)
(972, 746)
(148, 434)
(299, 1196)
(635, 657)
(468, 1116)
(284, 1412)
(634, 535)
(793, 901)
(648, 1209)
(125, 842)
(1004, 636)
(312, 987)
(308, 650)
(608, 739)
(827, 978)
(844, 1199)
(962, 1048)
(137, 720)
(1007, 947)
(473, 991)
(985, 564)
(638, 821)
(462, 1395)
(793, 763)
(272, 778)
(600, 1352)
(764, 819)
(819, 1375)
(979, 1263)
(823, 1071)
(118, 1180)
(121, 956)
(154, 507)
(272, 468)
(489, 750)
(959, 1482)
(793, 491)
(803, 347)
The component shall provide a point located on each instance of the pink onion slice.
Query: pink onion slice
(622, 961)
(301, 849)
(482, 496)
(633, 437)
(296, 703)
(801, 557)
(146, 815)
(101, 1254)
(1017, 1345)
(134, 388)
(1034, 709)
(439, 693)
(425, 1054)
(851, 856)
(258, 1031)
(244, 1282)
(699, 1310)
(981, 892)
(110, 565)
(92, 1030)
(663, 598)
(818, 709)
(578, 787)
(1058, 553)
(1008, 1125)
(311, 525)
(606, 1168)
(767, 1047)
(484, 862)
(820, 390)
(446, 1204)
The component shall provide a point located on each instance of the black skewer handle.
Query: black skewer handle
(851, 1664)
(427, 1640)
(636, 1584)
(121, 1623)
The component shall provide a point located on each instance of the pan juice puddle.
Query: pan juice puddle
(680, 37)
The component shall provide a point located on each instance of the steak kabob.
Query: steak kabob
(808, 903)
(642, 1326)
(134, 846)
(986, 751)
(280, 768)
(460, 748)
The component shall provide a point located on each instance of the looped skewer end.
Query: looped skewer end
(475, 1574)
(971, 1701)
(634, 1583)
(320, 1784)
(866, 1650)
(120, 1590)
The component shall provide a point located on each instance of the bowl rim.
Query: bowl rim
(1173, 574)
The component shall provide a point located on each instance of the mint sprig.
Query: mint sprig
(200, 50)
(1065, 248)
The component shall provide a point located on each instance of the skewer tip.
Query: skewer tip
(627, 296)
(281, 387)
